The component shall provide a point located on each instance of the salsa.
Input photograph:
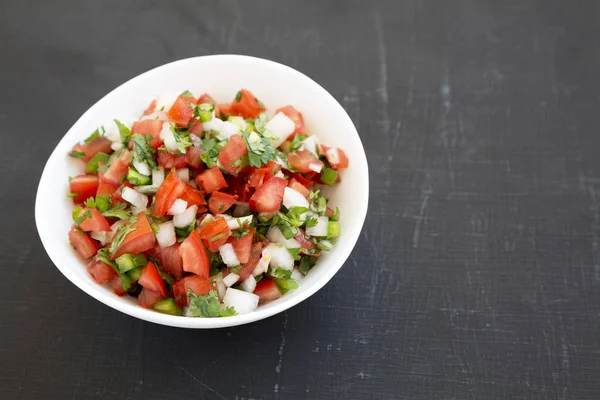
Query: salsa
(203, 209)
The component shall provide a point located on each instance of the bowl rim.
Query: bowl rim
(206, 323)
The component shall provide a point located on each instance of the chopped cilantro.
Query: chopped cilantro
(310, 222)
(142, 151)
(104, 256)
(260, 122)
(77, 154)
(203, 112)
(238, 96)
(101, 203)
(183, 233)
(212, 148)
(118, 211)
(306, 263)
(283, 279)
(122, 232)
(207, 306)
(95, 134)
(182, 138)
(187, 93)
(236, 268)
(243, 231)
(78, 218)
(260, 152)
(295, 253)
(297, 142)
(92, 165)
(124, 131)
(228, 312)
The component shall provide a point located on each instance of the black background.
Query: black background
(477, 274)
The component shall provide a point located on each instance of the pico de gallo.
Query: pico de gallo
(203, 209)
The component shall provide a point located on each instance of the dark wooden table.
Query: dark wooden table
(477, 275)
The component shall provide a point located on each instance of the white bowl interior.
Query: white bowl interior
(221, 76)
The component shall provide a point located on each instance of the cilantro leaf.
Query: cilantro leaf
(260, 152)
(260, 122)
(310, 222)
(142, 151)
(118, 211)
(206, 306)
(122, 232)
(77, 154)
(296, 253)
(95, 134)
(228, 312)
(212, 148)
(297, 142)
(101, 203)
(238, 96)
(282, 273)
(124, 131)
(283, 279)
(306, 263)
(203, 112)
(183, 233)
(182, 138)
(104, 256)
(78, 218)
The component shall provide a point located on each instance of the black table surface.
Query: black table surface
(477, 274)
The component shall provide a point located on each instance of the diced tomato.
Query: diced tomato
(301, 161)
(105, 188)
(99, 144)
(220, 202)
(117, 172)
(258, 176)
(84, 186)
(193, 155)
(214, 228)
(180, 112)
(210, 180)
(243, 246)
(246, 270)
(170, 259)
(247, 106)
(199, 285)
(329, 212)
(149, 127)
(336, 157)
(237, 186)
(232, 152)
(225, 110)
(194, 256)
(170, 190)
(101, 271)
(197, 128)
(116, 285)
(295, 116)
(297, 186)
(85, 245)
(147, 298)
(139, 239)
(151, 280)
(303, 241)
(267, 290)
(193, 197)
(268, 197)
(206, 99)
(151, 108)
(168, 160)
(215, 244)
(95, 222)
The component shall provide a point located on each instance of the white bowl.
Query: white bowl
(221, 76)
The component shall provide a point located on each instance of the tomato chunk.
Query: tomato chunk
(199, 285)
(237, 186)
(220, 202)
(139, 239)
(95, 222)
(257, 176)
(336, 157)
(194, 256)
(295, 116)
(105, 189)
(170, 259)
(210, 180)
(243, 246)
(180, 112)
(116, 284)
(151, 108)
(267, 290)
(117, 172)
(147, 298)
(193, 155)
(85, 245)
(304, 161)
(269, 196)
(168, 160)
(151, 280)
(193, 197)
(84, 186)
(99, 144)
(149, 127)
(297, 186)
(231, 154)
(246, 105)
(170, 190)
(101, 272)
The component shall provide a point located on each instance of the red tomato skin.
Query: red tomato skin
(168, 160)
(243, 246)
(101, 272)
(170, 259)
(193, 155)
(85, 186)
(147, 298)
(117, 286)
(99, 144)
(194, 256)
(237, 186)
(199, 285)
(105, 189)
(85, 245)
(170, 190)
(117, 172)
(213, 228)
(301, 160)
(234, 149)
(267, 290)
(95, 223)
(180, 112)
(247, 106)
(149, 127)
(151, 280)
(193, 197)
(210, 180)
(220, 202)
(151, 107)
(140, 239)
(297, 186)
(341, 162)
(295, 116)
(269, 196)
(257, 176)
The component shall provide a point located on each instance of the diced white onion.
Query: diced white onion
(293, 198)
(214, 124)
(249, 284)
(233, 223)
(310, 144)
(166, 234)
(240, 209)
(137, 199)
(221, 288)
(297, 275)
(280, 174)
(315, 166)
(274, 235)
(231, 279)
(168, 138)
(178, 207)
(278, 129)
(141, 167)
(115, 227)
(185, 218)
(147, 189)
(158, 176)
(262, 266)
(157, 115)
(282, 162)
(196, 141)
(184, 174)
(228, 255)
(136, 210)
(280, 256)
(326, 244)
(116, 146)
(228, 129)
(333, 155)
(320, 229)
(206, 219)
(99, 236)
(165, 101)
(242, 302)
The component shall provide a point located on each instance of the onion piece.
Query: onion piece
(185, 218)
(137, 199)
(116, 146)
(293, 198)
(184, 174)
(320, 229)
(166, 234)
(221, 288)
(310, 144)
(168, 138)
(141, 167)
(242, 302)
(249, 284)
(278, 129)
(315, 166)
(158, 176)
(214, 124)
(178, 207)
(274, 235)
(233, 223)
(262, 266)
(206, 219)
(147, 189)
(99, 236)
(228, 129)
(333, 155)
(297, 275)
(280, 256)
(228, 255)
(231, 279)
(326, 244)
